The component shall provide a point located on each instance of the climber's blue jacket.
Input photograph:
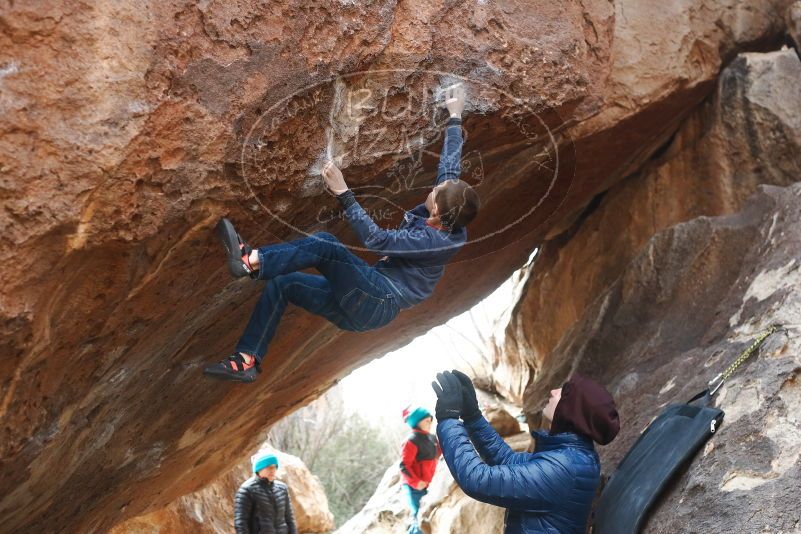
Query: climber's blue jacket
(415, 254)
(547, 491)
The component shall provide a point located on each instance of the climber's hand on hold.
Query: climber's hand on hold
(454, 99)
(333, 178)
(449, 396)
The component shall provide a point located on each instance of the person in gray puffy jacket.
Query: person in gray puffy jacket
(262, 504)
(549, 491)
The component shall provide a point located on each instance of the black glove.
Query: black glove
(449, 396)
(470, 409)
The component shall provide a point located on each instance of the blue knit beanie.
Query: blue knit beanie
(413, 417)
(260, 460)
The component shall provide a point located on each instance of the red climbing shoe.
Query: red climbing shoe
(236, 249)
(235, 368)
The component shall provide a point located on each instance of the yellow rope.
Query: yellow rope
(748, 352)
(722, 377)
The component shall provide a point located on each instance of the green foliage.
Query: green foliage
(347, 452)
(352, 463)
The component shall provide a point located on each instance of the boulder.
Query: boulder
(386, 512)
(127, 129)
(447, 509)
(502, 421)
(747, 133)
(683, 310)
(794, 23)
(668, 277)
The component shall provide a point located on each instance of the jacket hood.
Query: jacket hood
(586, 408)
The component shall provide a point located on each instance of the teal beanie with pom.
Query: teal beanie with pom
(414, 416)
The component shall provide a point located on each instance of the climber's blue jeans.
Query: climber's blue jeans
(413, 496)
(350, 293)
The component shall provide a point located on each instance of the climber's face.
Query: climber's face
(268, 472)
(425, 424)
(553, 400)
(431, 205)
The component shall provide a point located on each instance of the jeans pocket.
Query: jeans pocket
(361, 307)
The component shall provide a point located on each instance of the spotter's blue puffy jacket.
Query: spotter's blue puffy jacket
(547, 491)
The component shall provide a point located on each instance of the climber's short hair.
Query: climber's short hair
(458, 204)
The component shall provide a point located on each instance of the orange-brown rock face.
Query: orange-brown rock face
(681, 311)
(668, 277)
(129, 128)
(747, 133)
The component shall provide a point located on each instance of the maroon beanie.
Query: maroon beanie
(586, 408)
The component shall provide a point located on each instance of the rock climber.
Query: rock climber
(349, 292)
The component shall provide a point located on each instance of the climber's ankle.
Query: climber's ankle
(253, 259)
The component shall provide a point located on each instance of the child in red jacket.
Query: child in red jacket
(418, 460)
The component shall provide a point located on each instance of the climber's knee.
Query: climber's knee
(325, 236)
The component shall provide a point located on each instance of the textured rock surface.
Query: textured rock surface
(210, 510)
(655, 306)
(680, 312)
(444, 510)
(125, 134)
(502, 421)
(748, 133)
(794, 23)
(386, 512)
